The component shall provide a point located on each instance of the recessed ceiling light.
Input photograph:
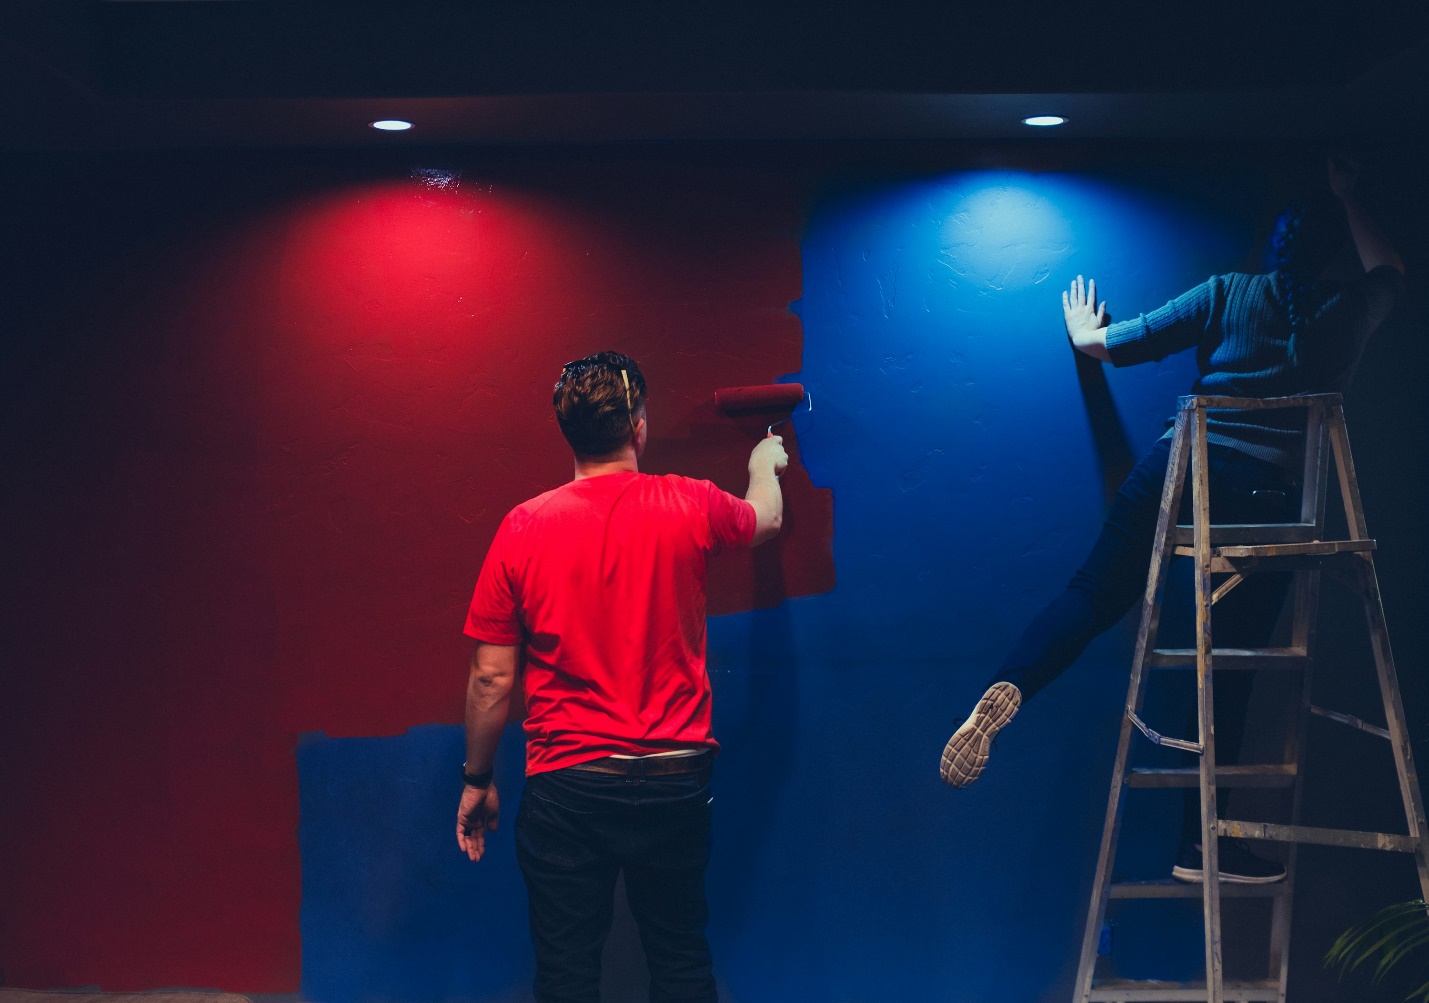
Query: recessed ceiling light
(391, 125)
(1044, 120)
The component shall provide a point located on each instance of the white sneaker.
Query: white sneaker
(965, 755)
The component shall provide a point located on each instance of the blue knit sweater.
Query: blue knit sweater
(1240, 328)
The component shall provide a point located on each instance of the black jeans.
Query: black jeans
(576, 831)
(1112, 580)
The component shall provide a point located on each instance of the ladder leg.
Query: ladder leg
(1379, 642)
(1211, 887)
(1345, 470)
(1162, 550)
(1313, 481)
(1307, 601)
(1394, 715)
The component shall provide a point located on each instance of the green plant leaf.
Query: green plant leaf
(1387, 937)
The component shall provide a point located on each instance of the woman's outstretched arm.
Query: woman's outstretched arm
(1372, 244)
(1181, 324)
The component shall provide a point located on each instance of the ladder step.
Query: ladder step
(1305, 402)
(1165, 888)
(1321, 837)
(1144, 991)
(1242, 533)
(1322, 548)
(1262, 775)
(1286, 659)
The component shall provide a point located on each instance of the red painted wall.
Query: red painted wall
(262, 430)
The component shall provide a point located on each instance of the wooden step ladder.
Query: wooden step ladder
(1238, 551)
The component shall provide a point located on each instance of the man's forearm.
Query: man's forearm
(488, 700)
(483, 732)
(768, 500)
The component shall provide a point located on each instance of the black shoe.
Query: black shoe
(1237, 865)
(965, 755)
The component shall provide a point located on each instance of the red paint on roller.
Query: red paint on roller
(772, 397)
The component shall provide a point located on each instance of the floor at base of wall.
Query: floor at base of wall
(91, 994)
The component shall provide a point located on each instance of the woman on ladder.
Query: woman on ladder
(1279, 334)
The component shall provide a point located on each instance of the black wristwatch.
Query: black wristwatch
(480, 780)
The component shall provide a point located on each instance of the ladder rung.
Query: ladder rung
(1168, 889)
(1259, 775)
(1233, 533)
(1289, 659)
(1322, 548)
(1144, 991)
(1322, 837)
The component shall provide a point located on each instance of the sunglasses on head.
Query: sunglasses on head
(624, 378)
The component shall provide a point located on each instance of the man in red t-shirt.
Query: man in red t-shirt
(601, 585)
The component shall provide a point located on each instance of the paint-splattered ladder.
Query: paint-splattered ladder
(1238, 551)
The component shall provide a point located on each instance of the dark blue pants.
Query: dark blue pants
(575, 832)
(1112, 580)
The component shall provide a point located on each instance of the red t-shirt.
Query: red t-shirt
(603, 581)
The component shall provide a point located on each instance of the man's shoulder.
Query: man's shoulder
(677, 488)
(522, 514)
(675, 482)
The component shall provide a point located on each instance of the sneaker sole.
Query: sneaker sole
(965, 755)
(1190, 877)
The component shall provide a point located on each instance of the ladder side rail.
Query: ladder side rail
(1302, 635)
(1205, 700)
(1162, 547)
(1345, 470)
(1315, 475)
(1314, 483)
(1409, 788)
(1394, 714)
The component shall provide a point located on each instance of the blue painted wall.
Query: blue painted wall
(951, 424)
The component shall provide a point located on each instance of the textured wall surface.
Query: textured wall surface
(258, 463)
(261, 422)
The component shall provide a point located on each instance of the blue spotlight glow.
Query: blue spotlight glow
(391, 125)
(1043, 121)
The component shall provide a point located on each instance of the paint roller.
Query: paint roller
(772, 397)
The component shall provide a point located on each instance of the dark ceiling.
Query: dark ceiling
(115, 73)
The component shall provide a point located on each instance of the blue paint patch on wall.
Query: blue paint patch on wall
(951, 425)
(392, 910)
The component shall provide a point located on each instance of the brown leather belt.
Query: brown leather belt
(649, 766)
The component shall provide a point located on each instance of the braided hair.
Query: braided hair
(1307, 235)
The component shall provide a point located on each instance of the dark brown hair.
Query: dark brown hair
(598, 399)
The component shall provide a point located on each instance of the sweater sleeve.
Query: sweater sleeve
(1179, 325)
(1332, 346)
(1378, 289)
